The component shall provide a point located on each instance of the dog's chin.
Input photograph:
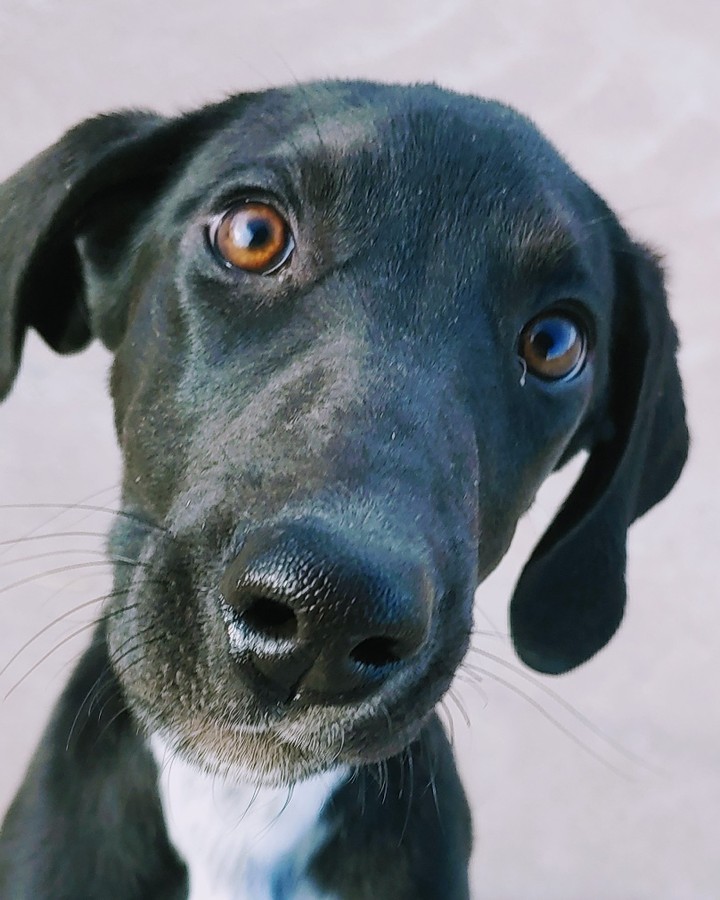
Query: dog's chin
(282, 755)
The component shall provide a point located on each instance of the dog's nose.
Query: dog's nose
(325, 618)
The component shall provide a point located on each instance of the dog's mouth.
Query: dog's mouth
(207, 709)
(304, 655)
(296, 743)
(248, 735)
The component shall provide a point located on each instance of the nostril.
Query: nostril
(376, 652)
(270, 618)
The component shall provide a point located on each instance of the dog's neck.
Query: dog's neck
(240, 842)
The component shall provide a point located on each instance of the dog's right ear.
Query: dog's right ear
(99, 177)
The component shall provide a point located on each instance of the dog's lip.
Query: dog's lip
(248, 728)
(279, 701)
(305, 712)
(364, 741)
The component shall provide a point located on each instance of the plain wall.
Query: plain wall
(629, 92)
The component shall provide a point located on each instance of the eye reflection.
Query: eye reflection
(553, 346)
(253, 237)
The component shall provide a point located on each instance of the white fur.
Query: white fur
(236, 840)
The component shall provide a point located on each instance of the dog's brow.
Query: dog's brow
(539, 243)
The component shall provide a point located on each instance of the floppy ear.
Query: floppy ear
(570, 597)
(94, 183)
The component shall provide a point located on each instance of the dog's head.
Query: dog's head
(355, 327)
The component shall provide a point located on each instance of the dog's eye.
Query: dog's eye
(253, 237)
(553, 346)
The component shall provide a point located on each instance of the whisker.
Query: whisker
(276, 817)
(474, 683)
(494, 630)
(109, 561)
(59, 571)
(123, 707)
(134, 640)
(57, 621)
(102, 682)
(46, 656)
(121, 672)
(119, 676)
(246, 811)
(450, 721)
(433, 775)
(65, 551)
(463, 711)
(51, 535)
(538, 707)
(408, 809)
(566, 705)
(49, 599)
(361, 776)
(382, 780)
(64, 509)
(503, 635)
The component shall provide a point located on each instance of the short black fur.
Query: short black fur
(350, 440)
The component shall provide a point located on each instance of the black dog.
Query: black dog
(355, 327)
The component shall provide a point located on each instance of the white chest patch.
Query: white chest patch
(239, 842)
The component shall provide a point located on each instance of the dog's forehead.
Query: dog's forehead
(420, 180)
(452, 142)
(378, 150)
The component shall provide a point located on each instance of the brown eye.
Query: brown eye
(253, 237)
(554, 346)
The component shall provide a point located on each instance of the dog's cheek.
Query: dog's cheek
(152, 426)
(151, 629)
(532, 434)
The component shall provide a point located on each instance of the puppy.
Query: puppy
(354, 328)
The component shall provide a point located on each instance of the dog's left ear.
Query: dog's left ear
(67, 223)
(570, 597)
(42, 208)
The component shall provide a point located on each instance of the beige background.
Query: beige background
(629, 91)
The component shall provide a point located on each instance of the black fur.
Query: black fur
(370, 399)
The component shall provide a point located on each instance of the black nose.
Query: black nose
(322, 617)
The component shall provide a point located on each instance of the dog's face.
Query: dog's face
(355, 327)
